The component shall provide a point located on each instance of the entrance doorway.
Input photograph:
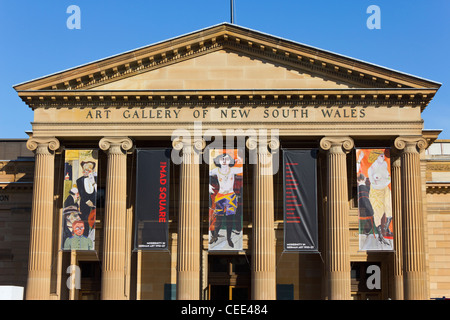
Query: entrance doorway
(229, 277)
(90, 280)
(224, 292)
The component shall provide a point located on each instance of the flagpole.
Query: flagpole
(232, 11)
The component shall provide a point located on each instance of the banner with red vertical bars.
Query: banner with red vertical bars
(300, 199)
(152, 206)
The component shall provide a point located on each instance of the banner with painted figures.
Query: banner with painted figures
(300, 200)
(373, 171)
(80, 199)
(225, 199)
(152, 199)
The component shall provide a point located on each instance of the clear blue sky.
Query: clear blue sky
(414, 38)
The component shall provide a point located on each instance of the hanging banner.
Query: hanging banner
(225, 199)
(152, 199)
(373, 172)
(80, 199)
(300, 200)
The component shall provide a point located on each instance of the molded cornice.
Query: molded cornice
(210, 98)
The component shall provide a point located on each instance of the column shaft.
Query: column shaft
(188, 248)
(114, 237)
(40, 258)
(415, 277)
(338, 257)
(263, 240)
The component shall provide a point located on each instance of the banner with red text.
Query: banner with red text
(373, 176)
(225, 199)
(152, 199)
(300, 200)
(79, 199)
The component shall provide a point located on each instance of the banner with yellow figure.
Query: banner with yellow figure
(373, 171)
(225, 199)
(79, 200)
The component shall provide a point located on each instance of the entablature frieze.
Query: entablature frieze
(294, 112)
(231, 116)
(297, 130)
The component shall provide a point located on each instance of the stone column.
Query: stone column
(189, 237)
(338, 243)
(40, 258)
(397, 218)
(414, 268)
(114, 230)
(263, 262)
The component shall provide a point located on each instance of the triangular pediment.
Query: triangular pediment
(224, 70)
(226, 57)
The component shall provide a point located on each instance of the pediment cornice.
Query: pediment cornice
(233, 38)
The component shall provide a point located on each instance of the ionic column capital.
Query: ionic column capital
(115, 145)
(410, 144)
(43, 145)
(337, 145)
(189, 145)
(263, 144)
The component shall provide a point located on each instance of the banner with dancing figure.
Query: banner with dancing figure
(225, 199)
(373, 172)
(79, 200)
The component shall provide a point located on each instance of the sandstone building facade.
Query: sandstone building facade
(266, 95)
